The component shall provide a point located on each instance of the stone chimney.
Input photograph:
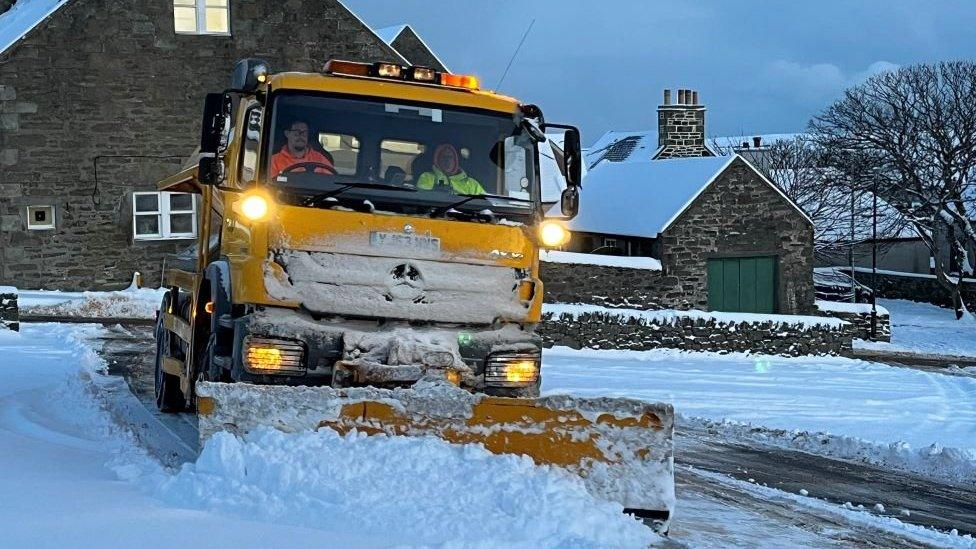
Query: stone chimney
(681, 126)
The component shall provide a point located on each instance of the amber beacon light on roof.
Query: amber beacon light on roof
(393, 71)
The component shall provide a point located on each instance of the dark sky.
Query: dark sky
(760, 66)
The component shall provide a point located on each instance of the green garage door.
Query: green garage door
(742, 284)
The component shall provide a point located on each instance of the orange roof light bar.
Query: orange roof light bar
(460, 81)
(399, 72)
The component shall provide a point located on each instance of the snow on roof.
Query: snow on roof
(622, 146)
(22, 17)
(641, 198)
(574, 258)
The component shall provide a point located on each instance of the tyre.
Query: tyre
(169, 397)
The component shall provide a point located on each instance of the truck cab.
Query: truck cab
(371, 224)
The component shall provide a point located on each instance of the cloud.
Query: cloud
(819, 82)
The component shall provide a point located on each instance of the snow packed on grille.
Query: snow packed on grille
(391, 287)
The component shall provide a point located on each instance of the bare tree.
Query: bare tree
(911, 134)
(842, 215)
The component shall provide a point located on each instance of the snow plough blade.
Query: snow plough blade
(621, 448)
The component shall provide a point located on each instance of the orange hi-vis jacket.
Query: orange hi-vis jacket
(283, 159)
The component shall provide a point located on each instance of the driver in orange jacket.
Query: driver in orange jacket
(296, 151)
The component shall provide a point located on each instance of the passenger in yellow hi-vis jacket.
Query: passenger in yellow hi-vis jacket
(447, 174)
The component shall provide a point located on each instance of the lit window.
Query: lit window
(201, 16)
(40, 218)
(160, 216)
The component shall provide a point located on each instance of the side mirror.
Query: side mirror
(573, 159)
(569, 202)
(214, 118)
(210, 170)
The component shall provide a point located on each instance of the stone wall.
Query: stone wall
(9, 315)
(108, 87)
(611, 286)
(610, 330)
(740, 215)
(681, 131)
(861, 322)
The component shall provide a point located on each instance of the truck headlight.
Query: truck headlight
(553, 234)
(512, 370)
(264, 355)
(254, 207)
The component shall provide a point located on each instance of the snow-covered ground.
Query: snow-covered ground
(927, 329)
(130, 303)
(71, 478)
(896, 417)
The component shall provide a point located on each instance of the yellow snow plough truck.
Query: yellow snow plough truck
(367, 259)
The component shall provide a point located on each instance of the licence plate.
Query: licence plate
(403, 240)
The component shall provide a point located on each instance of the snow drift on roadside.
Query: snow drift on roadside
(415, 490)
(130, 303)
(913, 420)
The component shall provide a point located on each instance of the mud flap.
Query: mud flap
(621, 448)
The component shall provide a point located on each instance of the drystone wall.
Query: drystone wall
(861, 322)
(611, 286)
(616, 330)
(9, 316)
(921, 288)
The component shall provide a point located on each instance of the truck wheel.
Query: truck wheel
(169, 397)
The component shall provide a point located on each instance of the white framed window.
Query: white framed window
(40, 218)
(201, 16)
(163, 216)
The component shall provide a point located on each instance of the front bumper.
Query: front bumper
(312, 349)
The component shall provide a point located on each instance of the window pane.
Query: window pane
(397, 159)
(190, 3)
(185, 19)
(181, 223)
(217, 20)
(147, 225)
(216, 3)
(147, 202)
(181, 202)
(344, 150)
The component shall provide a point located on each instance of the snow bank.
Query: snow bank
(913, 420)
(554, 256)
(925, 329)
(844, 307)
(129, 303)
(413, 489)
(670, 316)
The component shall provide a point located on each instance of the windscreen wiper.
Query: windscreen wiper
(317, 199)
(468, 198)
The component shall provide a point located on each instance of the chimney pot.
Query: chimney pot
(681, 96)
(757, 141)
(745, 144)
(694, 97)
(667, 97)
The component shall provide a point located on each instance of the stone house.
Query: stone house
(727, 238)
(99, 99)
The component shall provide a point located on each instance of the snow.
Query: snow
(925, 329)
(847, 307)
(417, 490)
(641, 198)
(670, 316)
(128, 303)
(897, 417)
(554, 256)
(80, 481)
(22, 17)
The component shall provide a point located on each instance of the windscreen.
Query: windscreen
(405, 156)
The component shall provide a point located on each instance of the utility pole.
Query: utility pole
(874, 263)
